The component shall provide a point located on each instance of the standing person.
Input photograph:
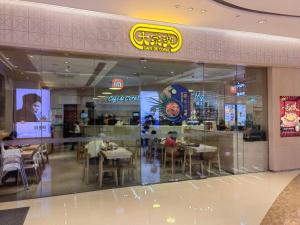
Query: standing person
(75, 132)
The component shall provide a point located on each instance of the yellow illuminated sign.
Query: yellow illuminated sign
(155, 38)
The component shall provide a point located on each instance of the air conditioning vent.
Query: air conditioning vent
(65, 76)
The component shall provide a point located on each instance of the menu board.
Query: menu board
(229, 115)
(289, 116)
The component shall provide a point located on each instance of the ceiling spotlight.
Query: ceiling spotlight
(172, 72)
(31, 56)
(190, 9)
(177, 6)
(203, 11)
(143, 60)
(7, 58)
(66, 62)
(262, 21)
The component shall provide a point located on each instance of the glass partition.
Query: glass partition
(80, 123)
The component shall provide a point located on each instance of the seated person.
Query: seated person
(94, 147)
(171, 142)
(10, 137)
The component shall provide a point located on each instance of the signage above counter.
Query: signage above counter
(159, 38)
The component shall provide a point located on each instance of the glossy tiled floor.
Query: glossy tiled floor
(230, 200)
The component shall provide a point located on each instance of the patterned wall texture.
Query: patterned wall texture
(56, 28)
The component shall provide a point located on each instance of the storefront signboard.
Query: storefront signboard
(159, 38)
(289, 116)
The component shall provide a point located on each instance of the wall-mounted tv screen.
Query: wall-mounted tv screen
(32, 113)
(241, 114)
(230, 116)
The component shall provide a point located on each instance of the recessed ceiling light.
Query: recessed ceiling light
(66, 62)
(262, 21)
(101, 96)
(177, 6)
(172, 72)
(203, 11)
(190, 9)
(115, 88)
(31, 56)
(106, 93)
(7, 58)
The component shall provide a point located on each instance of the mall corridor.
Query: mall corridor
(250, 199)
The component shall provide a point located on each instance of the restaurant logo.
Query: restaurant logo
(155, 38)
(117, 84)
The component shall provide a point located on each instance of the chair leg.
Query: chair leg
(209, 168)
(36, 175)
(219, 163)
(116, 177)
(201, 164)
(100, 179)
(184, 163)
(123, 175)
(190, 164)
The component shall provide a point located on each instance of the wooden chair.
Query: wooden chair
(213, 158)
(44, 152)
(86, 166)
(80, 151)
(106, 169)
(35, 165)
(169, 155)
(191, 159)
(129, 165)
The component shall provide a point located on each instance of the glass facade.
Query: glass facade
(76, 123)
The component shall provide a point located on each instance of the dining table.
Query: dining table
(118, 153)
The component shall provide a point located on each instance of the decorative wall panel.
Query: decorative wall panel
(40, 26)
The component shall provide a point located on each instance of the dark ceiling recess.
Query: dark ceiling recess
(97, 70)
(234, 6)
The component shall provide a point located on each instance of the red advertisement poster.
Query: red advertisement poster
(289, 116)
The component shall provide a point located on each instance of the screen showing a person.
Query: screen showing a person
(32, 115)
(241, 114)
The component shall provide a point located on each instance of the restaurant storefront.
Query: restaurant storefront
(131, 103)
